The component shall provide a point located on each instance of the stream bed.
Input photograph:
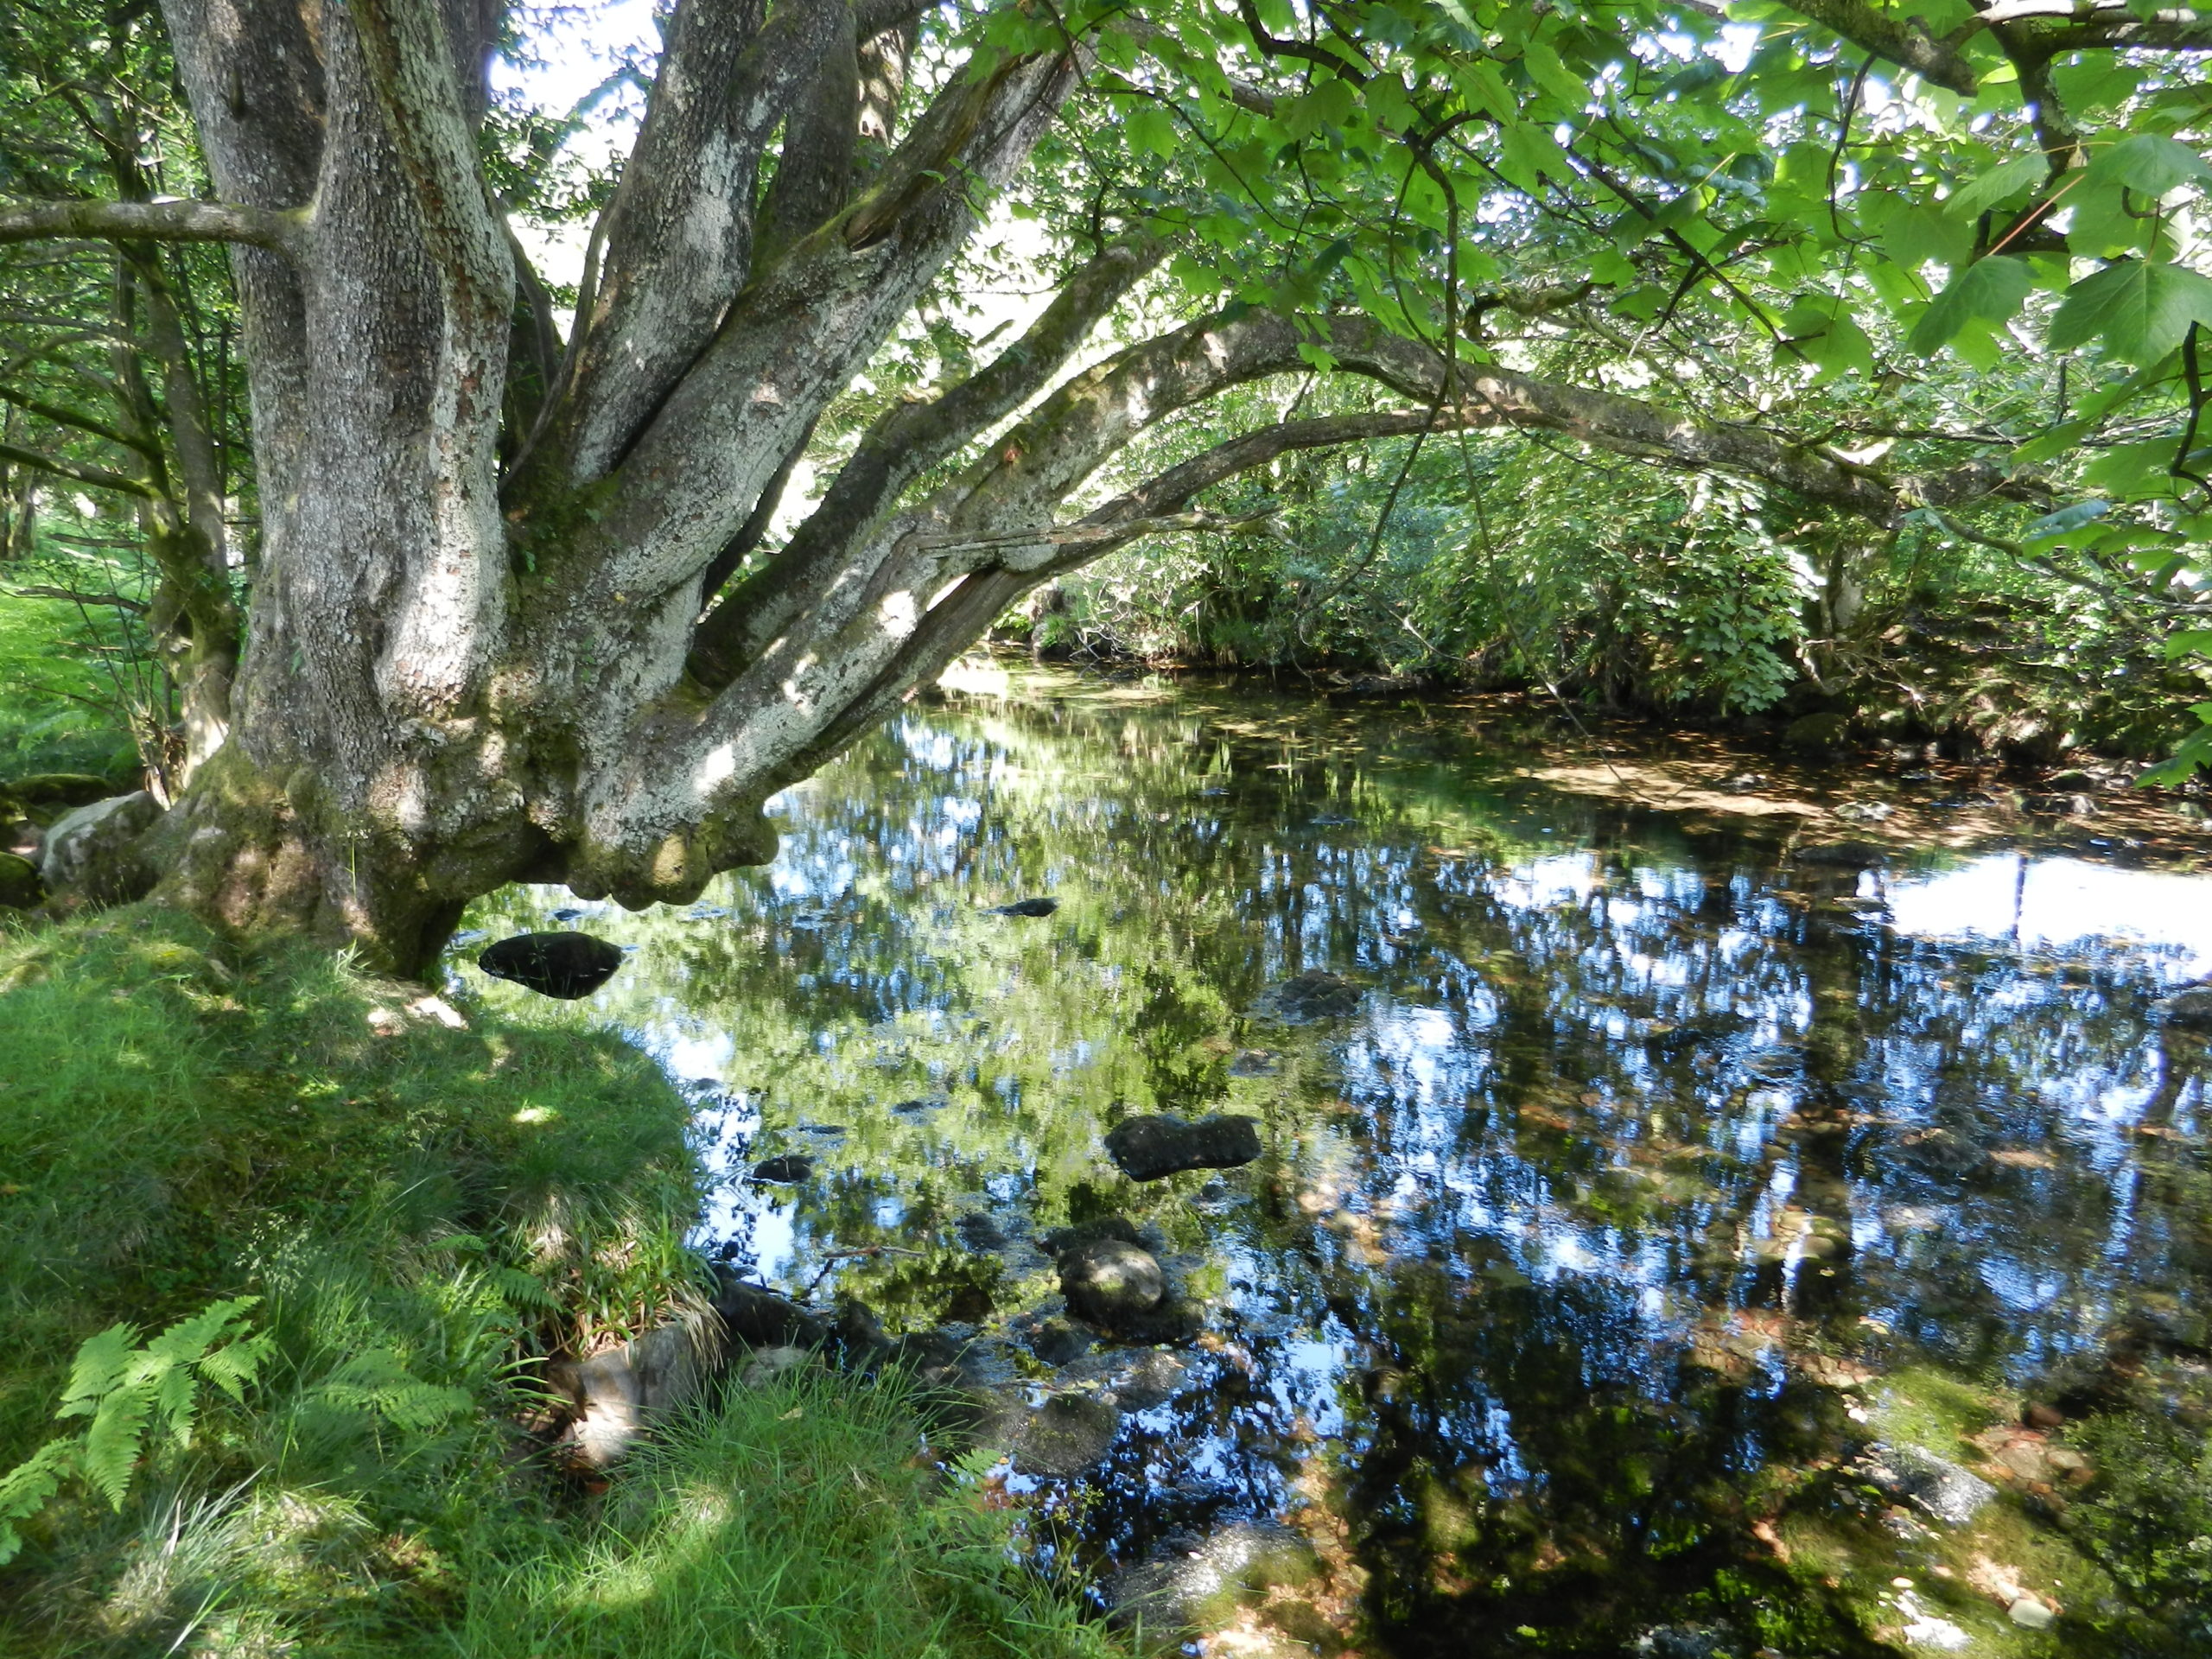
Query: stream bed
(1675, 1199)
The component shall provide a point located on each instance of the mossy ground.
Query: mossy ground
(188, 1120)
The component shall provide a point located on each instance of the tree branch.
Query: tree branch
(411, 64)
(795, 336)
(905, 443)
(678, 235)
(97, 477)
(61, 416)
(1904, 42)
(157, 221)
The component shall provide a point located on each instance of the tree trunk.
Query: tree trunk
(495, 635)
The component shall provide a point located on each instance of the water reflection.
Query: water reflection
(1644, 1136)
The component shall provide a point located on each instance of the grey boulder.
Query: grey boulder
(1146, 1148)
(1111, 1283)
(1952, 1495)
(92, 852)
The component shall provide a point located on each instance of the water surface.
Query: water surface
(1647, 1144)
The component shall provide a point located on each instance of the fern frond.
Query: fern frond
(233, 1365)
(378, 1382)
(25, 1489)
(524, 1290)
(112, 1444)
(100, 1364)
(190, 1337)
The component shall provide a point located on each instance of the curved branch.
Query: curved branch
(157, 221)
(97, 477)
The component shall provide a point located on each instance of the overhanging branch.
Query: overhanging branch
(156, 221)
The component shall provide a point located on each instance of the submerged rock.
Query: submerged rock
(1098, 1230)
(1840, 855)
(1111, 1283)
(92, 852)
(1026, 907)
(1066, 1435)
(786, 1170)
(1134, 1379)
(980, 1233)
(1146, 1148)
(1200, 1585)
(1952, 1495)
(2187, 1009)
(1308, 996)
(561, 965)
(760, 1319)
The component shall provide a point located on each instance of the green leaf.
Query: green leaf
(2150, 162)
(2139, 308)
(1989, 291)
(2000, 184)
(1917, 235)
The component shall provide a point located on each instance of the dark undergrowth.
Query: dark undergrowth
(403, 1214)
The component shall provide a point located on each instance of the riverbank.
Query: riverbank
(344, 1221)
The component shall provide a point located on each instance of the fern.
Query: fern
(123, 1387)
(379, 1383)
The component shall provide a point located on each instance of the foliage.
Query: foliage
(2148, 1518)
(120, 1386)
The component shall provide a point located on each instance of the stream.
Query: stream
(1652, 1170)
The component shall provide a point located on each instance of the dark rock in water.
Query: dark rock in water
(1817, 733)
(760, 1319)
(1840, 855)
(1111, 1283)
(1146, 1148)
(2187, 1009)
(787, 1170)
(969, 1305)
(1687, 1642)
(19, 883)
(1745, 782)
(568, 913)
(859, 1333)
(1312, 995)
(916, 1108)
(1058, 1342)
(1098, 1230)
(563, 965)
(1066, 1435)
(1028, 907)
(1256, 1063)
(980, 1233)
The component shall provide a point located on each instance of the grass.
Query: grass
(421, 1211)
(59, 708)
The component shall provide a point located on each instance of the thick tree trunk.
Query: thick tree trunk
(477, 653)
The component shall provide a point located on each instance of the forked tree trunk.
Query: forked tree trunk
(495, 638)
